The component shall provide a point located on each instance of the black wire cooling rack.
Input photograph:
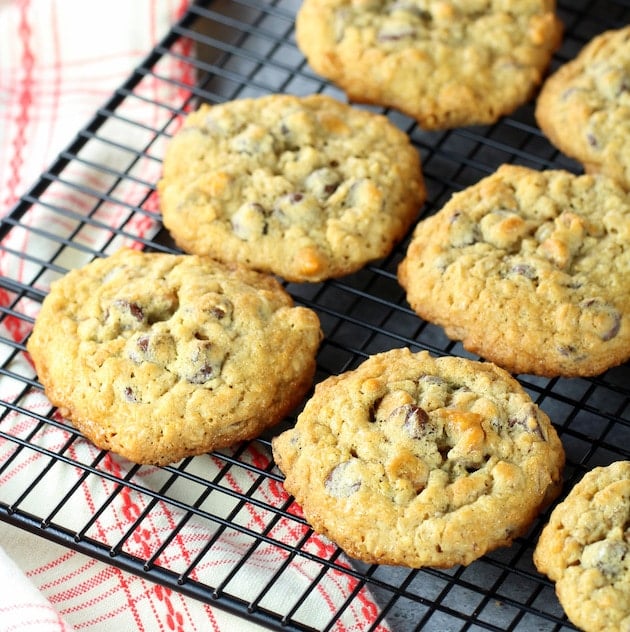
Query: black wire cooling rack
(218, 527)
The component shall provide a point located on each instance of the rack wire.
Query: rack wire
(203, 525)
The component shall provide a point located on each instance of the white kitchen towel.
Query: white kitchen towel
(59, 61)
(23, 608)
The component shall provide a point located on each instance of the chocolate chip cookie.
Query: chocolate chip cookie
(304, 187)
(158, 357)
(585, 550)
(530, 270)
(445, 64)
(584, 107)
(417, 461)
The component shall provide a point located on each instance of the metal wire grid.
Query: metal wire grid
(100, 193)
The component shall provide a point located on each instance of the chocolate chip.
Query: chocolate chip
(574, 284)
(205, 373)
(342, 18)
(357, 193)
(433, 392)
(252, 141)
(340, 483)
(220, 308)
(462, 230)
(605, 555)
(525, 270)
(297, 209)
(395, 33)
(624, 86)
(527, 421)
(143, 344)
(249, 221)
(205, 362)
(601, 317)
(415, 422)
(614, 328)
(136, 311)
(131, 308)
(130, 396)
(122, 315)
(158, 348)
(322, 183)
(570, 351)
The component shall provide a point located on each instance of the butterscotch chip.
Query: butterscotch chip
(157, 357)
(584, 107)
(304, 187)
(585, 550)
(445, 64)
(530, 270)
(417, 461)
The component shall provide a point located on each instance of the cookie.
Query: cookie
(530, 270)
(158, 357)
(445, 64)
(307, 188)
(584, 107)
(416, 461)
(585, 550)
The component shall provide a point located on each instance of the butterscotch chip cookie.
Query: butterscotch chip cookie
(445, 64)
(584, 107)
(585, 550)
(416, 461)
(530, 270)
(157, 357)
(304, 187)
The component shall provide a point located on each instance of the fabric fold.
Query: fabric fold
(23, 607)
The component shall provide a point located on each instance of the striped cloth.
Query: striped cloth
(59, 61)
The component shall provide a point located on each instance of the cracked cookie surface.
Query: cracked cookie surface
(446, 64)
(530, 270)
(417, 461)
(304, 187)
(584, 107)
(157, 357)
(585, 550)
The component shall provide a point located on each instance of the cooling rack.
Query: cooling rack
(247, 548)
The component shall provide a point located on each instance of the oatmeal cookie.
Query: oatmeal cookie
(445, 64)
(304, 187)
(157, 357)
(584, 107)
(417, 461)
(530, 270)
(585, 550)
